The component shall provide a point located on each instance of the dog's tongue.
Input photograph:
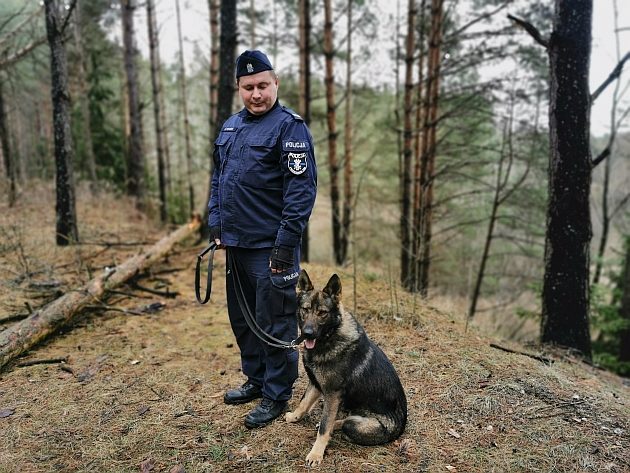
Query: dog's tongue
(309, 344)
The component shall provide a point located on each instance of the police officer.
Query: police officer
(263, 190)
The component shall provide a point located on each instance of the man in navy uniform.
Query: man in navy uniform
(263, 190)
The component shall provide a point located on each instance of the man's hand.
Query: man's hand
(281, 259)
(215, 236)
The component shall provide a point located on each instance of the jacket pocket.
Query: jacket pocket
(261, 167)
(223, 143)
(283, 295)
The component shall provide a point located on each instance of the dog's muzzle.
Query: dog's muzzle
(309, 337)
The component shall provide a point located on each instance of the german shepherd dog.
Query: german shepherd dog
(349, 370)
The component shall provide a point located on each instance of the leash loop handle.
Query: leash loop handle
(211, 248)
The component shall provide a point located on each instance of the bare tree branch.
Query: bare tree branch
(11, 34)
(67, 19)
(620, 205)
(601, 156)
(477, 20)
(10, 18)
(616, 72)
(531, 29)
(7, 61)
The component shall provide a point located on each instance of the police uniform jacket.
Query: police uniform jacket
(264, 180)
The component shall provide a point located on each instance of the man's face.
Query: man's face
(258, 91)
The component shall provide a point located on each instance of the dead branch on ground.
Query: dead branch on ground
(27, 333)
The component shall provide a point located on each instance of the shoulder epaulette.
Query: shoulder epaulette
(292, 113)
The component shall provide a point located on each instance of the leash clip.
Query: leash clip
(296, 343)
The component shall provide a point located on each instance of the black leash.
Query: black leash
(212, 247)
(250, 319)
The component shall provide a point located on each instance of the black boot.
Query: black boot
(264, 413)
(247, 392)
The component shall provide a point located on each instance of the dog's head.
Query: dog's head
(319, 312)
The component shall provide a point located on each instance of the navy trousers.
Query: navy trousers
(274, 369)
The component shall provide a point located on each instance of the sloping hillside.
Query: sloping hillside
(144, 392)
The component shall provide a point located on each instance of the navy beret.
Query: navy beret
(252, 62)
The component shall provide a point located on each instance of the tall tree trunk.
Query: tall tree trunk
(332, 131)
(226, 63)
(135, 152)
(565, 295)
(86, 126)
(494, 210)
(274, 38)
(624, 309)
(156, 85)
(405, 184)
(416, 229)
(16, 133)
(397, 67)
(66, 215)
(213, 6)
(184, 98)
(347, 163)
(125, 127)
(166, 144)
(252, 24)
(603, 239)
(501, 192)
(429, 138)
(9, 165)
(305, 88)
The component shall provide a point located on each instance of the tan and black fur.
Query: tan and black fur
(349, 370)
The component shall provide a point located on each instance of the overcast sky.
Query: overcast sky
(603, 56)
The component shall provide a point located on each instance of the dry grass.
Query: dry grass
(149, 388)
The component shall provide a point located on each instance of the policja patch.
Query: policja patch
(297, 162)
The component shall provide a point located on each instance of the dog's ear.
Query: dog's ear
(304, 282)
(333, 288)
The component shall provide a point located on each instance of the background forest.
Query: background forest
(430, 118)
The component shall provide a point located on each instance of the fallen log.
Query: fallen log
(25, 334)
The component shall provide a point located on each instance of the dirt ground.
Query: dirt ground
(144, 392)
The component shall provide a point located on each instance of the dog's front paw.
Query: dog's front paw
(315, 457)
(292, 417)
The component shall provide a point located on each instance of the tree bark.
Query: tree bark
(603, 239)
(135, 152)
(156, 85)
(66, 215)
(565, 295)
(27, 333)
(305, 88)
(184, 104)
(213, 84)
(430, 142)
(405, 184)
(226, 63)
(333, 164)
(252, 24)
(9, 165)
(416, 225)
(624, 309)
(213, 6)
(347, 163)
(86, 127)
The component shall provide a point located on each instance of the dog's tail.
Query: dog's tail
(375, 430)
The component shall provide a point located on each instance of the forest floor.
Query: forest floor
(144, 392)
